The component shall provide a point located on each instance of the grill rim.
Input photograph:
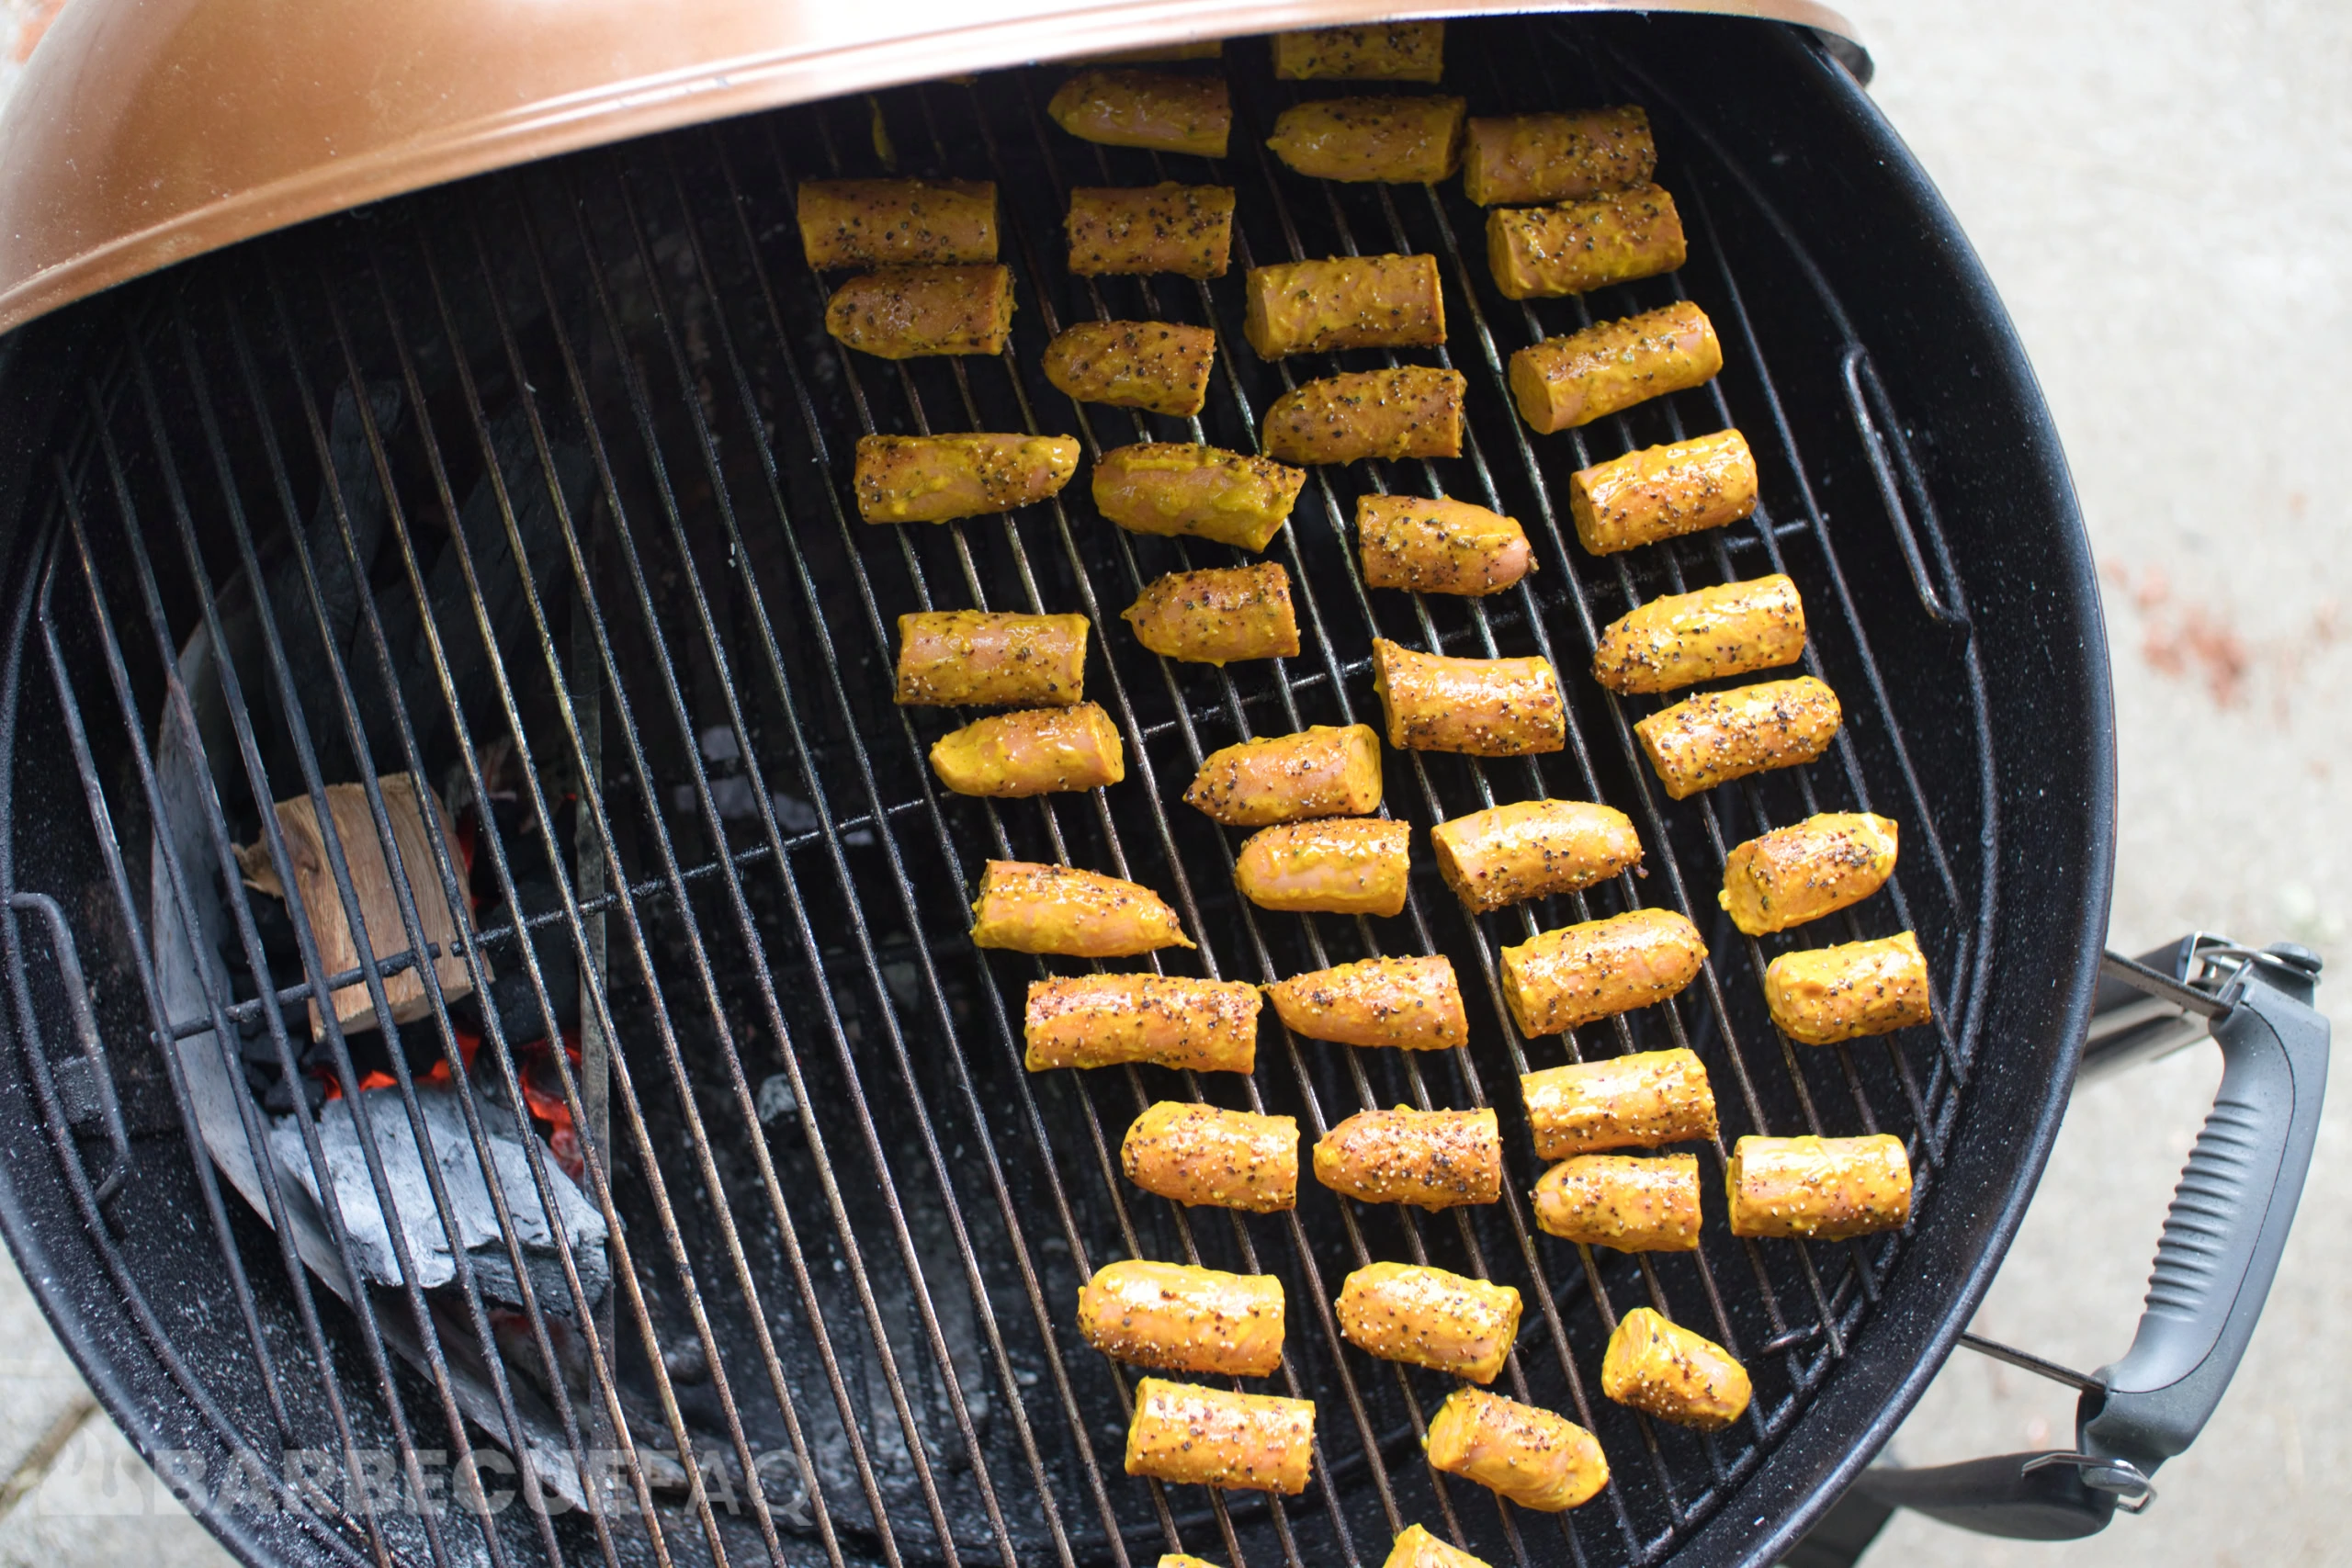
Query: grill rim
(1991, 1241)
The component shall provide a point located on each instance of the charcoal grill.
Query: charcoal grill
(616, 600)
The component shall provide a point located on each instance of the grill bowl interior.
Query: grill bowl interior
(909, 1231)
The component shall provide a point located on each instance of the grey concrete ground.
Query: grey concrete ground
(2163, 190)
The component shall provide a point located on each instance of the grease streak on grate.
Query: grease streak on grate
(597, 392)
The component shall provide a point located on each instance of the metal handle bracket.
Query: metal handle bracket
(2214, 1263)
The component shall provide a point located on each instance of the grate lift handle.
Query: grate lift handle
(2214, 1263)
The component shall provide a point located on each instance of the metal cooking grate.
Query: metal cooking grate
(849, 1227)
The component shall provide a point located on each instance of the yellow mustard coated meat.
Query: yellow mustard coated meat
(1564, 382)
(1401, 140)
(1411, 410)
(1533, 849)
(1814, 1188)
(897, 222)
(1663, 1370)
(1557, 157)
(1179, 1318)
(1662, 492)
(1433, 1159)
(1323, 770)
(990, 659)
(1578, 975)
(1717, 737)
(1578, 246)
(1119, 232)
(1829, 994)
(1429, 1317)
(1438, 545)
(1027, 907)
(1638, 1100)
(1829, 862)
(1008, 756)
(1315, 307)
(1168, 1021)
(1333, 865)
(1201, 492)
(1217, 614)
(1734, 628)
(1536, 1459)
(1411, 1003)
(1483, 707)
(1159, 366)
(1210, 1437)
(1382, 51)
(1633, 1202)
(1223, 1159)
(911, 313)
(1416, 1548)
(1169, 111)
(935, 478)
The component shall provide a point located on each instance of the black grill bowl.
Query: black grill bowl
(621, 350)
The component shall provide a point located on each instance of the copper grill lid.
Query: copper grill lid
(146, 132)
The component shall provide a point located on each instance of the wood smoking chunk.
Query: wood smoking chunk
(1416, 1548)
(1159, 366)
(1433, 1159)
(1564, 382)
(1533, 849)
(897, 222)
(1536, 1459)
(1127, 230)
(935, 478)
(1578, 246)
(1202, 1155)
(1162, 109)
(1411, 1003)
(1663, 1370)
(1660, 492)
(1821, 1189)
(1633, 1202)
(1400, 141)
(405, 806)
(1580, 974)
(1734, 628)
(990, 659)
(1408, 412)
(1179, 1317)
(1829, 994)
(1383, 52)
(1429, 1317)
(908, 312)
(1180, 490)
(1210, 1437)
(1337, 866)
(1313, 306)
(1483, 707)
(1324, 771)
(1438, 545)
(1557, 157)
(1027, 907)
(1638, 1100)
(1168, 1021)
(1714, 737)
(1008, 756)
(1827, 862)
(1217, 614)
